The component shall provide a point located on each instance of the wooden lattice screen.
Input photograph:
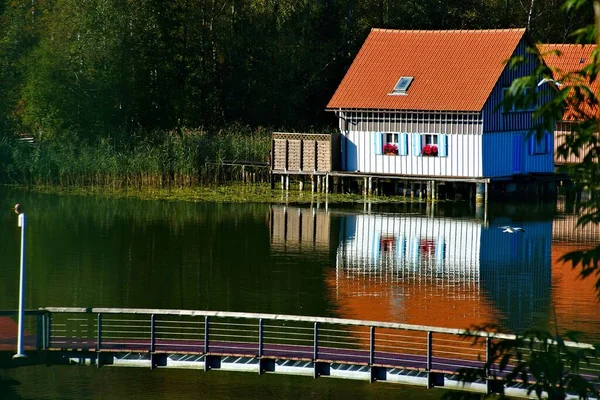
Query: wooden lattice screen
(303, 152)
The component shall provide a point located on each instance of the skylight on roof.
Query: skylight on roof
(402, 85)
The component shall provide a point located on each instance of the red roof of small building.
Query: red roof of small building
(564, 60)
(453, 70)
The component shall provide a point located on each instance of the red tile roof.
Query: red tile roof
(565, 59)
(572, 57)
(452, 70)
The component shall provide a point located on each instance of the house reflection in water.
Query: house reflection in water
(443, 271)
(417, 269)
(299, 230)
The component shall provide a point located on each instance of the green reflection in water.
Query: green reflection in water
(95, 252)
(76, 382)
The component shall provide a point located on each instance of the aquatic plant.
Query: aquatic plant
(161, 159)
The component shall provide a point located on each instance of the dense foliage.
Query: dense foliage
(112, 67)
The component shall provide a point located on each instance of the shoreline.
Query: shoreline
(224, 193)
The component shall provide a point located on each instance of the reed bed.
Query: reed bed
(173, 159)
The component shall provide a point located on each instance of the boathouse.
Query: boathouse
(565, 60)
(428, 104)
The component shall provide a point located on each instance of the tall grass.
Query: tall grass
(161, 159)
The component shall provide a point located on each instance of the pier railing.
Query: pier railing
(381, 350)
(252, 334)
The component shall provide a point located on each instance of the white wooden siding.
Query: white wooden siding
(463, 159)
(463, 131)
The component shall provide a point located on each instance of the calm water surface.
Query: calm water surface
(448, 265)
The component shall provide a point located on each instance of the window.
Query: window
(526, 102)
(390, 147)
(430, 145)
(538, 146)
(391, 138)
(431, 140)
(402, 85)
(390, 143)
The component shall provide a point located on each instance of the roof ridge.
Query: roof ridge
(447, 30)
(569, 44)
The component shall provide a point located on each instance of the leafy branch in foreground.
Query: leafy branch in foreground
(546, 365)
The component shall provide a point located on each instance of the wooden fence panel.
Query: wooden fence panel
(280, 156)
(323, 157)
(294, 156)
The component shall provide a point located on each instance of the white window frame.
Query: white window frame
(392, 137)
(430, 138)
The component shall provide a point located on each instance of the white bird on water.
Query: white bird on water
(511, 229)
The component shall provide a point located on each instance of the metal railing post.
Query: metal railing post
(99, 341)
(152, 332)
(99, 333)
(372, 346)
(261, 327)
(48, 330)
(39, 332)
(316, 342)
(206, 326)
(44, 332)
(429, 351)
(488, 355)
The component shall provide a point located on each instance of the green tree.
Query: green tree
(19, 27)
(543, 361)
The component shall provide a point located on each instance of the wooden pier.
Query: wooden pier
(264, 343)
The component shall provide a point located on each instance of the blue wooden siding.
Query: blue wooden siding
(495, 119)
(509, 153)
(507, 146)
(541, 162)
(500, 153)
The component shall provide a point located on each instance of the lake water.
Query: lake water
(445, 265)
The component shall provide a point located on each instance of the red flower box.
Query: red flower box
(430, 150)
(390, 149)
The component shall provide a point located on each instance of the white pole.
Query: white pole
(23, 225)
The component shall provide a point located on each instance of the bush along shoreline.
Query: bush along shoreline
(174, 159)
